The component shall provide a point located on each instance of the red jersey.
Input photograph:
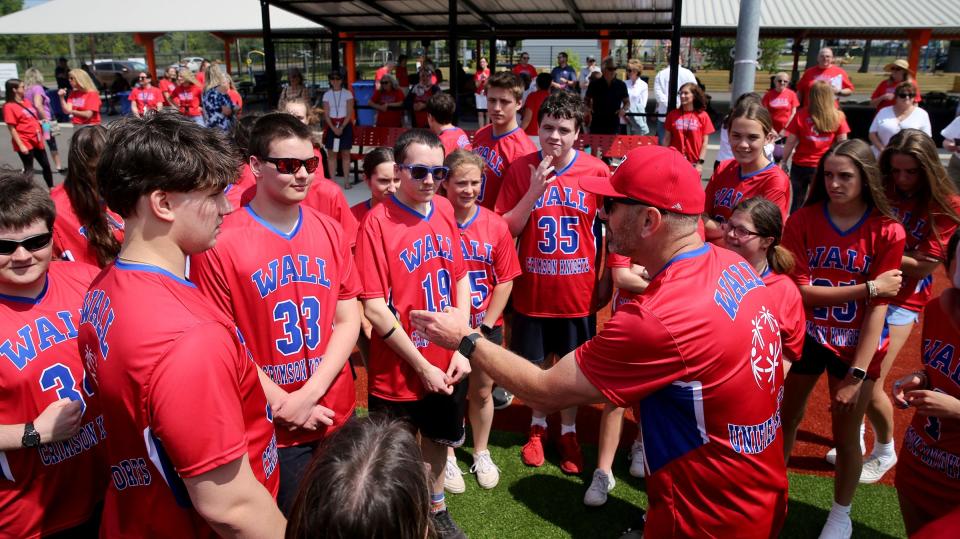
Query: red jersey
(928, 472)
(187, 97)
(282, 290)
(710, 418)
(480, 79)
(25, 121)
(914, 293)
(525, 68)
(498, 153)
(147, 98)
(781, 106)
(413, 262)
(392, 117)
(56, 485)
(236, 99)
(620, 297)
(790, 312)
(687, 130)
(454, 138)
(167, 86)
(729, 186)
(70, 235)
(557, 247)
(180, 398)
(825, 256)
(812, 144)
(490, 256)
(533, 102)
(326, 197)
(242, 192)
(835, 76)
(887, 86)
(361, 210)
(84, 100)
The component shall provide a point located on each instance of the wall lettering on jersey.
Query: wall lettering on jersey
(130, 473)
(915, 230)
(426, 249)
(283, 271)
(734, 284)
(89, 435)
(38, 336)
(939, 355)
(96, 311)
(477, 252)
(565, 197)
(491, 158)
(831, 257)
(727, 197)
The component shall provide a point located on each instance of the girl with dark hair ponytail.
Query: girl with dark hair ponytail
(754, 231)
(85, 229)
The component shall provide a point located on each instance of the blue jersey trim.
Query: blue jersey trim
(413, 211)
(703, 249)
(275, 230)
(672, 422)
(150, 268)
(28, 300)
(507, 134)
(853, 228)
(747, 176)
(470, 220)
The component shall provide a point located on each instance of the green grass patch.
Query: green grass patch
(544, 502)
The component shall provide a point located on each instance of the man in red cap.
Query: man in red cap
(699, 350)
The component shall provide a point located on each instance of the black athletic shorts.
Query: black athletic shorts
(816, 358)
(535, 338)
(437, 416)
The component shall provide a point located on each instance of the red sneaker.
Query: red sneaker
(532, 452)
(571, 459)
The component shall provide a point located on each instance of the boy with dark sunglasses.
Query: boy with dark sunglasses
(43, 404)
(191, 437)
(409, 258)
(284, 273)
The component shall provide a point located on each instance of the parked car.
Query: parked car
(192, 63)
(107, 71)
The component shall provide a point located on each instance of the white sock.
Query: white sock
(567, 428)
(538, 422)
(883, 450)
(838, 511)
(863, 430)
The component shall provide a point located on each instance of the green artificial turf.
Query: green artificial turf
(544, 502)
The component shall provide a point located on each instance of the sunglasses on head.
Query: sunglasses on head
(32, 244)
(904, 96)
(290, 165)
(608, 203)
(419, 172)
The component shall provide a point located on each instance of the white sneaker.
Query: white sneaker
(831, 455)
(874, 468)
(837, 528)
(602, 483)
(488, 475)
(453, 477)
(636, 459)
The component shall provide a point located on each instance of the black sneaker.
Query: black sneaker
(445, 527)
(501, 398)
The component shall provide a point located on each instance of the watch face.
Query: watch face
(31, 438)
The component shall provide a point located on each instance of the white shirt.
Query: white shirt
(335, 103)
(639, 94)
(886, 125)
(584, 80)
(661, 85)
(952, 132)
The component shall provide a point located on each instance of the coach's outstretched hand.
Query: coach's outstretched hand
(445, 329)
(58, 421)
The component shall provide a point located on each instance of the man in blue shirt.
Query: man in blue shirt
(564, 76)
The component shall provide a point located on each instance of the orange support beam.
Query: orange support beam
(227, 41)
(918, 38)
(350, 62)
(146, 41)
(604, 45)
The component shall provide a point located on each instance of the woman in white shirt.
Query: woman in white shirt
(639, 93)
(338, 117)
(904, 114)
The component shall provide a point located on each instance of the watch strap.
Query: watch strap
(468, 344)
(31, 438)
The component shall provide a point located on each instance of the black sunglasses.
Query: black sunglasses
(290, 165)
(904, 96)
(419, 172)
(608, 203)
(32, 244)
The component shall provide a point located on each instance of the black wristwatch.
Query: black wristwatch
(31, 438)
(858, 374)
(486, 330)
(468, 344)
(700, 161)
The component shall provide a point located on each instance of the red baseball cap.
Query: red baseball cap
(655, 175)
